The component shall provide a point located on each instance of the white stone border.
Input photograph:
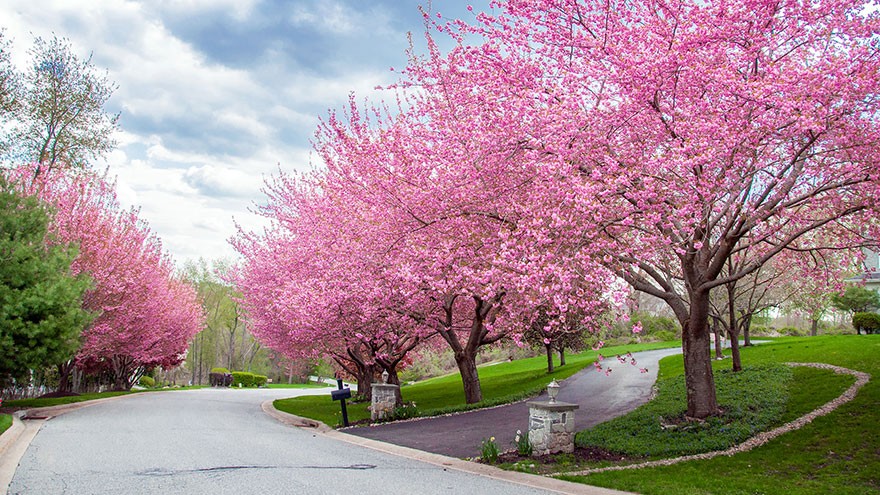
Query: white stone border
(761, 438)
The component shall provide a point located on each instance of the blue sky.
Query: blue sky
(216, 94)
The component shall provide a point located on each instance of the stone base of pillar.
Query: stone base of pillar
(551, 427)
(384, 400)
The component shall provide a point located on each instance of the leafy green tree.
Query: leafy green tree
(869, 322)
(225, 341)
(59, 118)
(856, 300)
(7, 79)
(41, 315)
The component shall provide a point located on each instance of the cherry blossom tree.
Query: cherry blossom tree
(144, 314)
(683, 133)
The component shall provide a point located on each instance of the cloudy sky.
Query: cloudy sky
(216, 94)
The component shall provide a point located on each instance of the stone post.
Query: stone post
(384, 400)
(551, 427)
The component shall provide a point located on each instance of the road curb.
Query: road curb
(530, 480)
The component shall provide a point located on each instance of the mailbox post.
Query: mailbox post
(341, 394)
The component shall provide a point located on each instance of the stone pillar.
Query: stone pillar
(384, 400)
(551, 427)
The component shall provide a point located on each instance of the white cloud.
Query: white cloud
(201, 130)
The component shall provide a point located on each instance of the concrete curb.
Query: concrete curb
(530, 480)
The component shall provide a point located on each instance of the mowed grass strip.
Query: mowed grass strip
(838, 453)
(753, 401)
(5, 422)
(501, 383)
(57, 401)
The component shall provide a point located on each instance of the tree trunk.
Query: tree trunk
(747, 339)
(562, 356)
(470, 378)
(734, 351)
(699, 380)
(64, 371)
(549, 358)
(364, 375)
(814, 328)
(719, 346)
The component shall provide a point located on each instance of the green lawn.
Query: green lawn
(501, 383)
(5, 422)
(298, 385)
(838, 453)
(57, 401)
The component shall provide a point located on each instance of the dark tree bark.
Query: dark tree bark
(549, 358)
(484, 311)
(470, 378)
(562, 356)
(64, 374)
(719, 347)
(699, 380)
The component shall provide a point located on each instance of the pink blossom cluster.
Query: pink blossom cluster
(144, 315)
(562, 146)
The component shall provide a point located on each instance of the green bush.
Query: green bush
(147, 382)
(867, 322)
(247, 379)
(242, 378)
(219, 370)
(662, 336)
(794, 331)
(759, 330)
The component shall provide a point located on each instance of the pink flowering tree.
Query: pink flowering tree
(453, 211)
(144, 314)
(316, 284)
(681, 134)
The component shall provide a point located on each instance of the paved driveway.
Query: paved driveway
(600, 398)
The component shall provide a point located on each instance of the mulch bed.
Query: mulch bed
(581, 456)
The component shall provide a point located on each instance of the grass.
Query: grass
(298, 385)
(501, 383)
(5, 422)
(57, 401)
(753, 401)
(838, 453)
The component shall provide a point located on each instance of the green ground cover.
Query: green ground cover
(501, 383)
(298, 385)
(5, 422)
(838, 453)
(753, 401)
(57, 401)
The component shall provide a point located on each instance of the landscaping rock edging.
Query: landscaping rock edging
(849, 394)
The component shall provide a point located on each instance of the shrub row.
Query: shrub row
(248, 379)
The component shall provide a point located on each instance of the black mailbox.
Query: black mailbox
(343, 393)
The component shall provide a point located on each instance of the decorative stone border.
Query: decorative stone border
(761, 438)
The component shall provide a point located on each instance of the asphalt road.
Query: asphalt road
(215, 441)
(600, 398)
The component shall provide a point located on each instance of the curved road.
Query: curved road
(219, 441)
(600, 398)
